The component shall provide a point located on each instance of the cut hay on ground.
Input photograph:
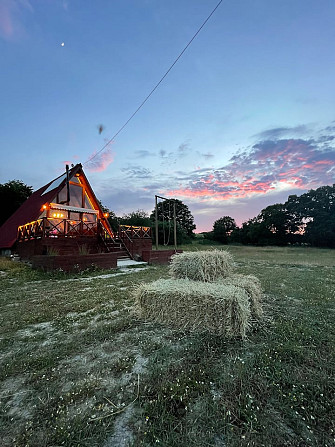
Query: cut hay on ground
(192, 305)
(252, 286)
(207, 266)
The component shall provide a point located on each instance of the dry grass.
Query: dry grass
(191, 305)
(252, 286)
(72, 347)
(207, 266)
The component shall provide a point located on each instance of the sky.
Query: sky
(244, 119)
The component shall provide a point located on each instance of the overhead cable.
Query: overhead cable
(156, 86)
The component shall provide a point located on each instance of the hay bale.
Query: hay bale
(252, 287)
(207, 266)
(197, 306)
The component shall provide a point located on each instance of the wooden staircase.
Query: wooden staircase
(116, 246)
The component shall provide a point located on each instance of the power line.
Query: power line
(156, 86)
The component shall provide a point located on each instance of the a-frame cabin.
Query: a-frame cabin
(64, 217)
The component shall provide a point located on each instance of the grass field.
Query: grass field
(78, 368)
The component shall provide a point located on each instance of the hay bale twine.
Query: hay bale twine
(207, 266)
(197, 306)
(252, 287)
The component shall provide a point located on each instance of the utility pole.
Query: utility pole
(174, 226)
(156, 219)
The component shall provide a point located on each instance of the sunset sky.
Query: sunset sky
(245, 118)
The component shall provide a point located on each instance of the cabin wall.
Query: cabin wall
(137, 246)
(59, 246)
(6, 252)
(158, 256)
(70, 263)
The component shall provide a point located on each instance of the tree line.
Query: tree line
(306, 219)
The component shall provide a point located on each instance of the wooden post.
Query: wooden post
(156, 223)
(67, 185)
(174, 226)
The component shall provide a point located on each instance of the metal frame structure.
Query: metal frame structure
(174, 220)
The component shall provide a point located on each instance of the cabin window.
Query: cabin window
(76, 196)
(74, 216)
(89, 217)
(88, 203)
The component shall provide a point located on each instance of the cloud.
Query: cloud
(100, 162)
(278, 132)
(206, 212)
(10, 17)
(125, 196)
(144, 154)
(270, 166)
(6, 23)
(136, 171)
(252, 179)
(184, 148)
(207, 156)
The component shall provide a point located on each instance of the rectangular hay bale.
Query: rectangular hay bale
(203, 265)
(252, 286)
(196, 306)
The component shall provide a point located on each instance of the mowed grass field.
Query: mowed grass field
(79, 368)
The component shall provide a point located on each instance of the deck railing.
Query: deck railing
(47, 227)
(129, 233)
(133, 232)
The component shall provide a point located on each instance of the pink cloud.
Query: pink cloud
(10, 11)
(100, 162)
(268, 167)
(6, 23)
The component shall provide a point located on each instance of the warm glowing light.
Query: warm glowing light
(58, 215)
(44, 207)
(106, 215)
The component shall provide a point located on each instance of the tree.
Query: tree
(274, 225)
(184, 223)
(113, 220)
(315, 212)
(307, 218)
(12, 196)
(223, 228)
(139, 218)
(183, 215)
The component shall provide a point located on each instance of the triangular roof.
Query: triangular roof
(30, 210)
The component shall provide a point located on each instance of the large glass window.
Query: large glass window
(74, 216)
(76, 192)
(88, 203)
(89, 217)
(76, 196)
